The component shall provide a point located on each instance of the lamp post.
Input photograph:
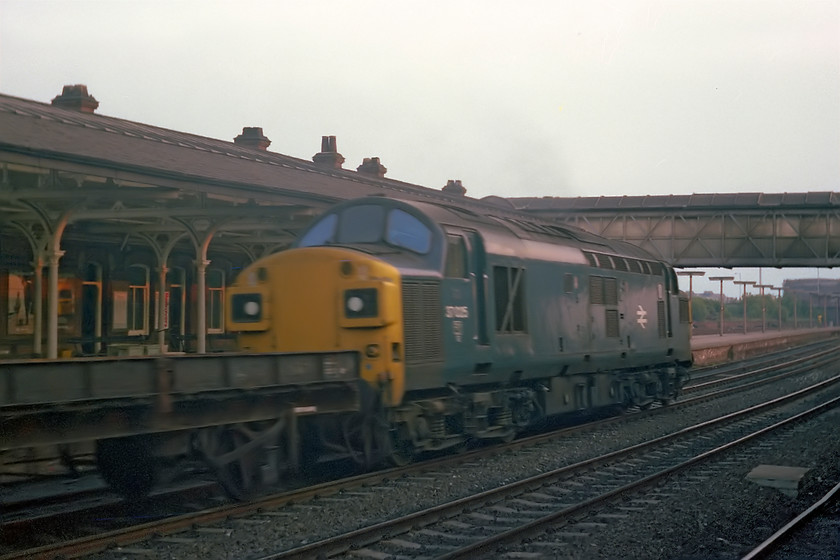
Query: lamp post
(825, 310)
(745, 283)
(763, 306)
(779, 303)
(837, 310)
(721, 279)
(691, 274)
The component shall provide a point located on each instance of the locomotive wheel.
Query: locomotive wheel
(508, 436)
(371, 440)
(128, 465)
(400, 452)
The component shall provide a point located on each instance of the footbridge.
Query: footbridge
(710, 230)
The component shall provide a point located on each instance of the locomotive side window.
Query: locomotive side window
(674, 285)
(361, 224)
(404, 230)
(322, 233)
(456, 257)
(509, 286)
(570, 283)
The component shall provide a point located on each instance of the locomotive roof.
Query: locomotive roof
(527, 228)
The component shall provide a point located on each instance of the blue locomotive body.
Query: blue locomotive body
(477, 325)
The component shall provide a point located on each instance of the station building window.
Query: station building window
(19, 314)
(174, 307)
(137, 311)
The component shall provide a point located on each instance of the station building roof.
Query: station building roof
(63, 164)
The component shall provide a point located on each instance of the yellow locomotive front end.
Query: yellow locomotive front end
(324, 300)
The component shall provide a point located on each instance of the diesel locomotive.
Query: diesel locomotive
(463, 326)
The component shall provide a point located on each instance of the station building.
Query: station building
(118, 237)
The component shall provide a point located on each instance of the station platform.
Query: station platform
(711, 349)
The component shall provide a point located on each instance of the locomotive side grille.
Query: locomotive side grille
(660, 318)
(422, 317)
(610, 291)
(603, 290)
(612, 323)
(596, 290)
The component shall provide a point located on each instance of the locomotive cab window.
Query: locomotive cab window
(406, 231)
(322, 233)
(369, 223)
(361, 224)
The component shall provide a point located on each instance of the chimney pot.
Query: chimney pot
(328, 156)
(372, 166)
(252, 137)
(77, 98)
(455, 188)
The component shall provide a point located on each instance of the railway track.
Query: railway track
(727, 370)
(173, 525)
(477, 525)
(752, 368)
(817, 520)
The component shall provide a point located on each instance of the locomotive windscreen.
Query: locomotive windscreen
(371, 223)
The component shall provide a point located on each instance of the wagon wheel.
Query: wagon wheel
(360, 439)
(237, 466)
(128, 465)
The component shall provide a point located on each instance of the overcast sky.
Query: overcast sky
(529, 98)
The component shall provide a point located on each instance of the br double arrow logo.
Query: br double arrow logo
(641, 317)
